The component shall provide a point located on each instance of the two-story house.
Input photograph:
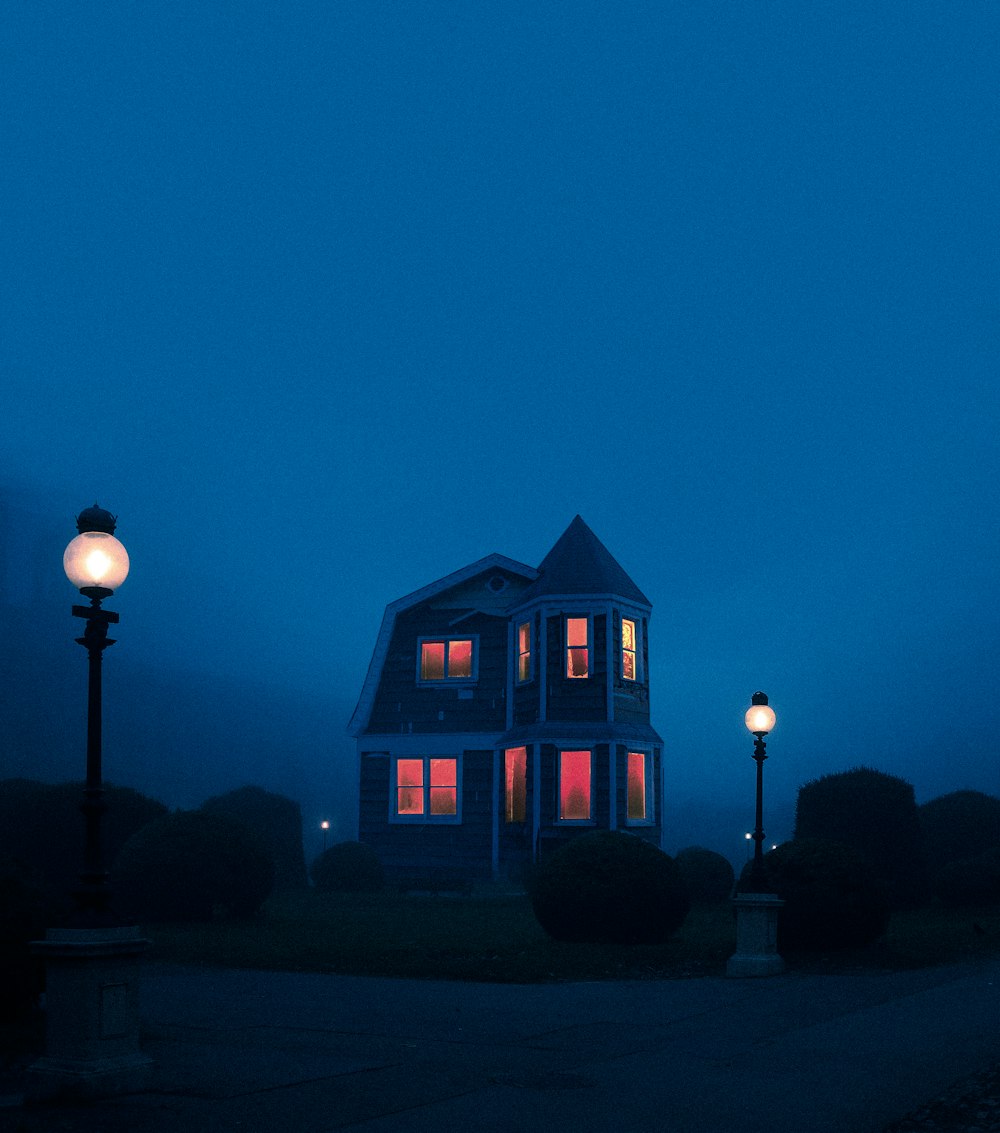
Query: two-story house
(506, 708)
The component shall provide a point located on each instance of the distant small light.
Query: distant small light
(748, 835)
(324, 825)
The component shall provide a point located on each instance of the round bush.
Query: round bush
(191, 866)
(961, 825)
(276, 820)
(348, 867)
(969, 881)
(708, 876)
(609, 887)
(832, 898)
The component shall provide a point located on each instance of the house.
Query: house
(506, 709)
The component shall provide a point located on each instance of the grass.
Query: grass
(495, 938)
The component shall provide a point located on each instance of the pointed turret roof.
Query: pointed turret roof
(579, 563)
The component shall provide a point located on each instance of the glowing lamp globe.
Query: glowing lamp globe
(95, 559)
(760, 718)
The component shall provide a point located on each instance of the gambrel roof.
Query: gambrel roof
(491, 563)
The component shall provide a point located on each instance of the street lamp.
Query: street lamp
(96, 563)
(325, 827)
(760, 719)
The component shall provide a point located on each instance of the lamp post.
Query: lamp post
(96, 563)
(92, 962)
(760, 719)
(325, 827)
(756, 909)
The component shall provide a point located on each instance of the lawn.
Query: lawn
(494, 937)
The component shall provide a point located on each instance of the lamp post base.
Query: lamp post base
(756, 936)
(92, 1015)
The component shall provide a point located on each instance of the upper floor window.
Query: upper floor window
(447, 659)
(426, 788)
(577, 647)
(628, 649)
(574, 786)
(524, 651)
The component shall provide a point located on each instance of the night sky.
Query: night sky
(326, 301)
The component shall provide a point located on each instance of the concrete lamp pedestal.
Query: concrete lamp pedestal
(756, 936)
(92, 1015)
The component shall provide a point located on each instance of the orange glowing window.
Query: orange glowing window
(574, 786)
(447, 659)
(410, 786)
(628, 649)
(524, 651)
(577, 647)
(515, 773)
(427, 787)
(636, 806)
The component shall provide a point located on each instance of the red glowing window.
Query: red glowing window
(444, 786)
(574, 786)
(577, 647)
(515, 773)
(636, 806)
(410, 786)
(447, 659)
(524, 651)
(628, 649)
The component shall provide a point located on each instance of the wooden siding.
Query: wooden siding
(402, 705)
(425, 855)
(576, 699)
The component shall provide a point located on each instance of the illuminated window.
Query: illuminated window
(574, 786)
(515, 769)
(524, 651)
(628, 649)
(638, 807)
(577, 647)
(447, 659)
(427, 788)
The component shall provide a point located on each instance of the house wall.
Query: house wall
(403, 705)
(575, 699)
(430, 854)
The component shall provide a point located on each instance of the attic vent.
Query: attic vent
(497, 583)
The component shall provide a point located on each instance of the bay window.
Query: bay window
(575, 786)
(578, 647)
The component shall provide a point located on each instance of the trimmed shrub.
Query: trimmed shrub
(43, 827)
(708, 876)
(348, 867)
(27, 909)
(832, 898)
(876, 815)
(609, 887)
(191, 866)
(969, 881)
(277, 822)
(961, 825)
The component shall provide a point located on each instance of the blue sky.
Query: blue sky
(327, 301)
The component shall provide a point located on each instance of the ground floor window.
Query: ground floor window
(426, 788)
(575, 786)
(515, 774)
(638, 801)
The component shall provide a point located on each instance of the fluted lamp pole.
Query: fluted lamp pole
(760, 719)
(96, 563)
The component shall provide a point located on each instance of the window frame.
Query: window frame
(560, 820)
(446, 639)
(424, 818)
(528, 653)
(648, 784)
(509, 795)
(579, 617)
(636, 650)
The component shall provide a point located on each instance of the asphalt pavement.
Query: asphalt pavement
(274, 1051)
